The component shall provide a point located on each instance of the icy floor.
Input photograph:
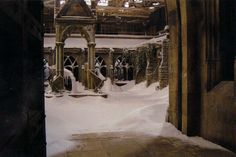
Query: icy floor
(131, 107)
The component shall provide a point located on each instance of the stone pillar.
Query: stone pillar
(155, 64)
(60, 58)
(110, 64)
(86, 81)
(163, 69)
(91, 62)
(83, 74)
(58, 81)
(140, 65)
(149, 68)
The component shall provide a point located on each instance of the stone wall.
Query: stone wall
(218, 122)
(163, 68)
(201, 99)
(137, 61)
(140, 64)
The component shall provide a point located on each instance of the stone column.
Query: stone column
(110, 64)
(82, 74)
(163, 69)
(60, 59)
(58, 81)
(91, 62)
(86, 72)
(155, 63)
(149, 68)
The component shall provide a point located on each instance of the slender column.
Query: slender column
(86, 73)
(91, 62)
(163, 69)
(58, 81)
(149, 68)
(110, 64)
(57, 59)
(60, 58)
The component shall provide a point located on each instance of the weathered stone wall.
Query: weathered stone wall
(201, 102)
(163, 68)
(218, 121)
(218, 115)
(137, 61)
(140, 65)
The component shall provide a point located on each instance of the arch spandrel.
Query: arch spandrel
(64, 31)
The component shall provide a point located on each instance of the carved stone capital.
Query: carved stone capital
(91, 44)
(58, 43)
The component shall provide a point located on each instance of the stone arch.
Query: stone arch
(62, 33)
(67, 20)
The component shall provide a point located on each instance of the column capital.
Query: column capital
(111, 50)
(58, 43)
(91, 44)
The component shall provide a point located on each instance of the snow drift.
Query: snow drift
(131, 107)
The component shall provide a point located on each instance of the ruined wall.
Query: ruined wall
(136, 59)
(163, 67)
(201, 102)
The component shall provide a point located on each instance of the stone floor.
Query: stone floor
(134, 145)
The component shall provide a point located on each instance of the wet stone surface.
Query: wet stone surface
(125, 144)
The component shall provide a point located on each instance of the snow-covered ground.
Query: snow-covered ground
(132, 108)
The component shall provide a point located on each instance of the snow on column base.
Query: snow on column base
(57, 84)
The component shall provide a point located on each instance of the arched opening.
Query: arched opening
(123, 68)
(71, 64)
(100, 65)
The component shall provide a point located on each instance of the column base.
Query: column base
(57, 84)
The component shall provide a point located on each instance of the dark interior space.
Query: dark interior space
(227, 37)
(22, 115)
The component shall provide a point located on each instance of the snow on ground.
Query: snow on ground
(132, 108)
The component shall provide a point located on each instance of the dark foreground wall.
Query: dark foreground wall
(22, 118)
(201, 69)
